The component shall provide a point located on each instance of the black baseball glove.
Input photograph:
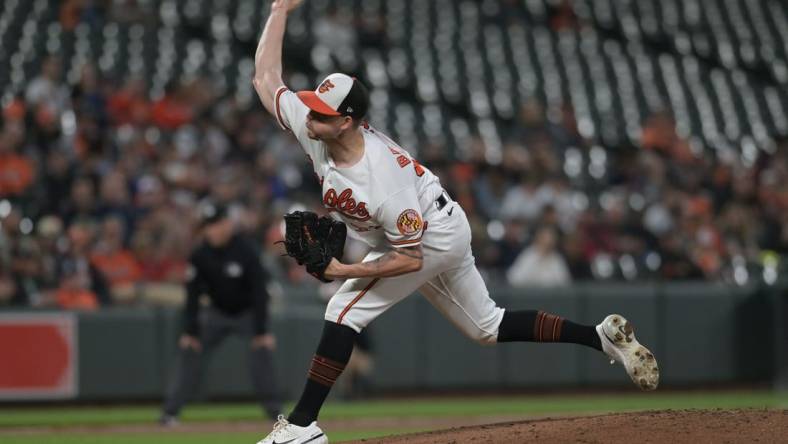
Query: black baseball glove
(314, 241)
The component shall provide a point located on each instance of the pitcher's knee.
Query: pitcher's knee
(333, 309)
(482, 337)
(337, 313)
(483, 328)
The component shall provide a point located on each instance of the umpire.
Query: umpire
(226, 268)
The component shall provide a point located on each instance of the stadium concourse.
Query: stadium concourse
(587, 140)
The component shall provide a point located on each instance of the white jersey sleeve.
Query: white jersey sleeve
(291, 115)
(290, 110)
(401, 218)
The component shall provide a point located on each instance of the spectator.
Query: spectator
(540, 264)
(558, 202)
(75, 290)
(172, 110)
(16, 170)
(18, 257)
(47, 89)
(676, 261)
(523, 201)
(10, 218)
(115, 262)
(115, 201)
(27, 270)
(130, 105)
(57, 177)
(82, 204)
(490, 190)
(10, 294)
(82, 285)
(578, 263)
(70, 11)
(49, 233)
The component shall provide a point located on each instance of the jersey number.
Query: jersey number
(403, 161)
(418, 168)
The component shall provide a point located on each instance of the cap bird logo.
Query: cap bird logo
(325, 86)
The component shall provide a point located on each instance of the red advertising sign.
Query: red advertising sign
(38, 355)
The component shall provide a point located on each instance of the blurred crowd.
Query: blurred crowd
(560, 209)
(99, 183)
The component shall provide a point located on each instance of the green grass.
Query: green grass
(422, 407)
(443, 407)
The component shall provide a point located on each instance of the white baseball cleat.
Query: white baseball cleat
(286, 433)
(619, 343)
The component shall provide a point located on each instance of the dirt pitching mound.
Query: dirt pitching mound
(668, 426)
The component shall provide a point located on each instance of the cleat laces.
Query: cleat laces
(280, 425)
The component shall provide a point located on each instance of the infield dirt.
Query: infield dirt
(664, 426)
(667, 426)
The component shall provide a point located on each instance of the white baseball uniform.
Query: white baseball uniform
(388, 200)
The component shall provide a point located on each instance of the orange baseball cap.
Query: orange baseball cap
(338, 95)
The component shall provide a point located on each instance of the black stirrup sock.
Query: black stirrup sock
(332, 355)
(540, 326)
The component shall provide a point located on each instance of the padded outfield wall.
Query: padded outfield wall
(702, 334)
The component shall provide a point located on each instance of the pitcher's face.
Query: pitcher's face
(325, 127)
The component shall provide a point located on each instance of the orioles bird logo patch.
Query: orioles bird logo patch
(409, 222)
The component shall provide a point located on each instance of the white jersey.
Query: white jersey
(386, 197)
(388, 200)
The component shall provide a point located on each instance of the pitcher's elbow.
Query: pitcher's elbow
(258, 80)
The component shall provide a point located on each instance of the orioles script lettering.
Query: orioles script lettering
(345, 204)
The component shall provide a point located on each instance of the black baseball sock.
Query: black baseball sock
(539, 326)
(332, 355)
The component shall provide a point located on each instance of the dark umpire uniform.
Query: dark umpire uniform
(227, 269)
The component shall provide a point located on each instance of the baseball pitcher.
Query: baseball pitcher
(419, 237)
